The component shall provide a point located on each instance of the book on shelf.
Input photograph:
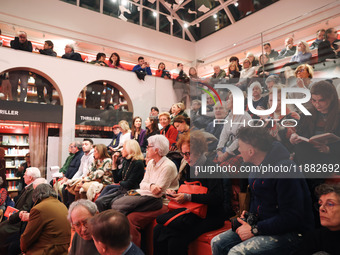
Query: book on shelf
(325, 138)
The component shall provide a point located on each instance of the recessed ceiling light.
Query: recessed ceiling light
(236, 4)
(154, 14)
(215, 16)
(186, 25)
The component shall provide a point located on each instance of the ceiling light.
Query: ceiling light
(124, 2)
(186, 25)
(215, 16)
(154, 14)
(114, 1)
(234, 44)
(236, 4)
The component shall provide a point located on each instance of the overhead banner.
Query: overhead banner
(11, 110)
(95, 117)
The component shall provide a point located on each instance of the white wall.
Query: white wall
(70, 77)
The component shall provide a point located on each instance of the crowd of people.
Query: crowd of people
(326, 44)
(111, 193)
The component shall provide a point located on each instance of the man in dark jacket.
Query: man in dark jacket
(289, 50)
(77, 150)
(48, 49)
(70, 54)
(281, 204)
(20, 43)
(328, 49)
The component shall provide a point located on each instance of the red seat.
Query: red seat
(201, 246)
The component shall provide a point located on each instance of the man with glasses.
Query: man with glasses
(271, 54)
(80, 212)
(326, 239)
(20, 43)
(329, 48)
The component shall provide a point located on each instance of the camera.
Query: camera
(250, 218)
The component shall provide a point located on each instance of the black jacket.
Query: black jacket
(48, 52)
(26, 46)
(74, 165)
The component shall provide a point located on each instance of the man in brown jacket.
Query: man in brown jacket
(48, 230)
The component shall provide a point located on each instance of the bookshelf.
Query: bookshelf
(16, 147)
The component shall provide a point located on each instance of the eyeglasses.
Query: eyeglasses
(185, 154)
(301, 70)
(149, 146)
(79, 224)
(328, 205)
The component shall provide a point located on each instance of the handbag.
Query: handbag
(196, 208)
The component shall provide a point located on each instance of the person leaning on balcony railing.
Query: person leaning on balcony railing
(329, 48)
(70, 54)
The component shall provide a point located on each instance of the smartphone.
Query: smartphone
(169, 195)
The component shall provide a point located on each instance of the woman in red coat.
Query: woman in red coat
(168, 130)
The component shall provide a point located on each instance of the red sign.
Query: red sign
(14, 129)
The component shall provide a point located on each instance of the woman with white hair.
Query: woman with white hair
(126, 134)
(160, 175)
(302, 54)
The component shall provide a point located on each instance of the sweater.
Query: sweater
(163, 173)
(282, 205)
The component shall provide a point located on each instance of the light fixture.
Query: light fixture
(186, 25)
(236, 4)
(124, 2)
(114, 1)
(154, 14)
(234, 44)
(215, 16)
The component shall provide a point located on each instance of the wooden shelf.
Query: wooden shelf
(10, 167)
(15, 156)
(13, 145)
(12, 190)
(12, 178)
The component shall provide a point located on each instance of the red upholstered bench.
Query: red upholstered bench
(201, 246)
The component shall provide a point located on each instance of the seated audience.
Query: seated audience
(79, 214)
(47, 230)
(114, 61)
(320, 36)
(254, 62)
(233, 73)
(272, 55)
(328, 49)
(325, 118)
(77, 150)
(115, 139)
(259, 102)
(235, 60)
(160, 175)
(325, 239)
(48, 49)
(177, 109)
(227, 146)
(22, 169)
(142, 66)
(100, 60)
(182, 124)
(289, 49)
(70, 54)
(127, 175)
(154, 112)
(126, 134)
(151, 125)
(273, 122)
(168, 130)
(162, 72)
(111, 234)
(280, 208)
(99, 174)
(247, 72)
(85, 165)
(302, 54)
(218, 75)
(266, 68)
(271, 81)
(220, 112)
(175, 239)
(137, 133)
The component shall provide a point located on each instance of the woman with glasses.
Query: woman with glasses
(175, 239)
(325, 239)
